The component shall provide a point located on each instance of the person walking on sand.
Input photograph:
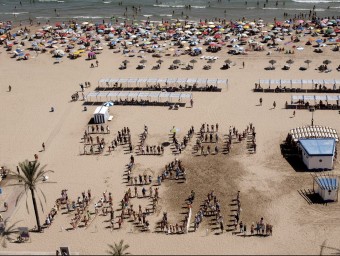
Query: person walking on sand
(274, 104)
(9, 88)
(294, 113)
(43, 146)
(97, 63)
(260, 101)
(243, 64)
(5, 206)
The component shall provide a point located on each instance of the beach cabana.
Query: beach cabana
(318, 153)
(101, 115)
(327, 186)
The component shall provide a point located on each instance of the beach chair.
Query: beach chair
(110, 118)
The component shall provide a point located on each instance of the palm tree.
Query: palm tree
(30, 179)
(272, 62)
(307, 62)
(118, 249)
(6, 233)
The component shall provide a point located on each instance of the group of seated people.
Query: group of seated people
(323, 68)
(172, 67)
(168, 88)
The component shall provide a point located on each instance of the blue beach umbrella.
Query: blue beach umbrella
(108, 104)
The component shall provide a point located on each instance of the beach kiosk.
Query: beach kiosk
(318, 153)
(101, 115)
(327, 186)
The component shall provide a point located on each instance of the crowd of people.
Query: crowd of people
(179, 146)
(144, 149)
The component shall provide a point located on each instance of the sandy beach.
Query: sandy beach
(269, 186)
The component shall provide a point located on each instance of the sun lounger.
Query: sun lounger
(110, 118)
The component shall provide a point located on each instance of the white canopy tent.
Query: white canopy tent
(103, 96)
(305, 98)
(169, 81)
(302, 82)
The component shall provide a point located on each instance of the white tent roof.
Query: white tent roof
(181, 80)
(156, 95)
(307, 81)
(201, 81)
(186, 95)
(143, 94)
(329, 81)
(152, 80)
(104, 80)
(132, 80)
(222, 81)
(162, 80)
(317, 81)
(285, 81)
(264, 81)
(164, 95)
(171, 80)
(320, 97)
(308, 97)
(123, 94)
(299, 81)
(123, 80)
(133, 94)
(114, 80)
(275, 81)
(192, 80)
(113, 94)
(316, 97)
(297, 97)
(296, 81)
(142, 80)
(333, 97)
(92, 94)
(175, 95)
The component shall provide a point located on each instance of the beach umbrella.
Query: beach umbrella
(125, 62)
(193, 61)
(326, 62)
(307, 62)
(272, 62)
(108, 104)
(176, 61)
(159, 62)
(290, 61)
(143, 61)
(228, 61)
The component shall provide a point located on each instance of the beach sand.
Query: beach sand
(269, 185)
